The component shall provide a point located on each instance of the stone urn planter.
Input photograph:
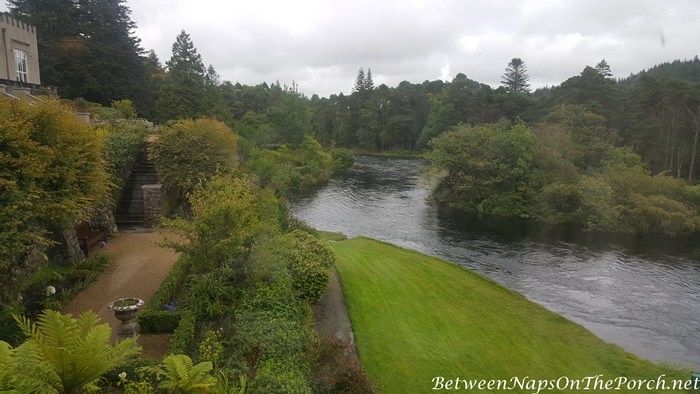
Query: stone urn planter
(126, 309)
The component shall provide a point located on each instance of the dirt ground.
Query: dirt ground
(138, 266)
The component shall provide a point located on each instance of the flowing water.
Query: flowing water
(644, 298)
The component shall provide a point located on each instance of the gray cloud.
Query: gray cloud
(321, 44)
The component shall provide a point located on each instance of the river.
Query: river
(643, 298)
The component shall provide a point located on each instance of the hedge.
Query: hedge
(184, 334)
(153, 318)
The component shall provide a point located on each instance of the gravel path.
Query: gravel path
(138, 266)
(332, 319)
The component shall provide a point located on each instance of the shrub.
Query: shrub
(309, 261)
(192, 151)
(343, 159)
(52, 175)
(123, 141)
(183, 337)
(153, 318)
(337, 370)
(279, 376)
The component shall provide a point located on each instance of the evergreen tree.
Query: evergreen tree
(515, 79)
(183, 92)
(369, 83)
(604, 69)
(360, 81)
(87, 48)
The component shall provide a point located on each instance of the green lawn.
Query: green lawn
(416, 317)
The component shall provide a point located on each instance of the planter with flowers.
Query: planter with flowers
(126, 309)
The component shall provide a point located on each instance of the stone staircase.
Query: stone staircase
(130, 208)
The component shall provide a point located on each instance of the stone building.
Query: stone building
(19, 57)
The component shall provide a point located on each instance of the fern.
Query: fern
(62, 354)
(178, 374)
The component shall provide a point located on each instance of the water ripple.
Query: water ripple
(645, 301)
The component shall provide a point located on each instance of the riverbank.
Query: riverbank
(416, 318)
(398, 154)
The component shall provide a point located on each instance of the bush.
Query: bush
(338, 371)
(192, 151)
(153, 318)
(52, 175)
(123, 141)
(309, 261)
(343, 159)
(183, 338)
(276, 376)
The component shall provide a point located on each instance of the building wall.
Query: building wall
(18, 35)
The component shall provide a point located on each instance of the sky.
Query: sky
(321, 45)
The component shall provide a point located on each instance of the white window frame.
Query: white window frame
(21, 65)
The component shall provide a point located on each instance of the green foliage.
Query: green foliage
(51, 174)
(309, 261)
(192, 151)
(338, 371)
(125, 108)
(87, 49)
(343, 159)
(515, 79)
(153, 318)
(183, 337)
(275, 376)
(228, 213)
(211, 349)
(63, 354)
(286, 169)
(123, 141)
(488, 168)
(188, 90)
(209, 295)
(178, 374)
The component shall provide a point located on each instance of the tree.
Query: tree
(62, 355)
(191, 151)
(183, 91)
(360, 81)
(369, 82)
(87, 48)
(604, 69)
(488, 168)
(515, 79)
(51, 174)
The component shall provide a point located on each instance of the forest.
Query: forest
(584, 126)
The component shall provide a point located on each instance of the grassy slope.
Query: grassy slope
(416, 317)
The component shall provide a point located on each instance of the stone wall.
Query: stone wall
(152, 203)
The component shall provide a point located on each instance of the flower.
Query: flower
(50, 290)
(122, 376)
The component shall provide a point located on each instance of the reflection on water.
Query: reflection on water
(641, 298)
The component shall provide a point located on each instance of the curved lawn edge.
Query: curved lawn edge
(417, 318)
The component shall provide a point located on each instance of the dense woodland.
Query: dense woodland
(88, 50)
(651, 118)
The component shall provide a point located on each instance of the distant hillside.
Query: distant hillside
(686, 70)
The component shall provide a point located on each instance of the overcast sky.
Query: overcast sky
(321, 44)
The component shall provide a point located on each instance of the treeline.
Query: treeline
(564, 171)
(88, 50)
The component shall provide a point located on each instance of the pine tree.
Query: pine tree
(515, 79)
(360, 81)
(369, 83)
(87, 48)
(604, 69)
(183, 92)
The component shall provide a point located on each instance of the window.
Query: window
(21, 63)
